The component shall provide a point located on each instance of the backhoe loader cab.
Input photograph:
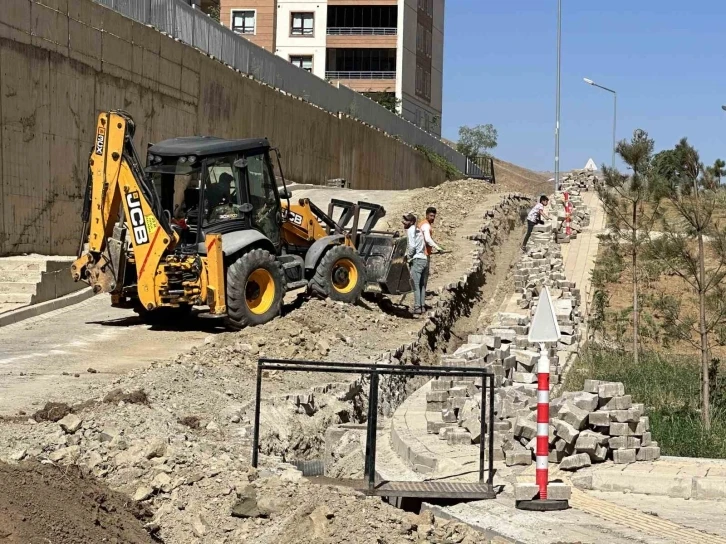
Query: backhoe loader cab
(199, 226)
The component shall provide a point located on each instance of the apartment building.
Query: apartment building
(383, 48)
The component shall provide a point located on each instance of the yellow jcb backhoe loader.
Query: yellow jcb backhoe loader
(202, 225)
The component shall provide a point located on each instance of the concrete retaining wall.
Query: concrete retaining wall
(63, 61)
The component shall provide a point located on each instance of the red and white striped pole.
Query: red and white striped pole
(568, 214)
(543, 420)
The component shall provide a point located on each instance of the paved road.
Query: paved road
(39, 357)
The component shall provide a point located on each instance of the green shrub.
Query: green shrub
(452, 172)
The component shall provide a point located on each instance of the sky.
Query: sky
(664, 58)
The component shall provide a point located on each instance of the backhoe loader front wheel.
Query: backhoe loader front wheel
(341, 275)
(255, 288)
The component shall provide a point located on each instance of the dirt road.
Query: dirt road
(49, 357)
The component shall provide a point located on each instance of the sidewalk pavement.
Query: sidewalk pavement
(604, 507)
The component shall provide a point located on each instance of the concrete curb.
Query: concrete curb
(35, 310)
(692, 480)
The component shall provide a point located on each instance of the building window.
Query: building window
(243, 21)
(428, 46)
(303, 61)
(302, 24)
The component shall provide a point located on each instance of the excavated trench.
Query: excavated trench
(468, 304)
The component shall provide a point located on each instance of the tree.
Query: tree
(474, 141)
(386, 99)
(632, 206)
(717, 170)
(683, 246)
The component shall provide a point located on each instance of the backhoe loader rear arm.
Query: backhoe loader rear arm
(120, 195)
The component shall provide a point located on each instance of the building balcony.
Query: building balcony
(361, 75)
(361, 31)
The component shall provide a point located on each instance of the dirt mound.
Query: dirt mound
(301, 513)
(515, 178)
(52, 411)
(50, 504)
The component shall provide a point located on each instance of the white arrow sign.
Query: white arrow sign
(544, 326)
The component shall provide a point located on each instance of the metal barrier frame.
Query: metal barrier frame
(375, 370)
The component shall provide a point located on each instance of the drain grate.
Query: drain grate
(433, 490)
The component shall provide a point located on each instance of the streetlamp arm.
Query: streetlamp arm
(603, 88)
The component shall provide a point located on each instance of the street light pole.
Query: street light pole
(557, 123)
(615, 112)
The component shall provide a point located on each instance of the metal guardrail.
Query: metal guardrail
(361, 31)
(360, 75)
(482, 490)
(481, 167)
(179, 20)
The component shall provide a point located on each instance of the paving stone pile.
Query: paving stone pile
(586, 427)
(573, 183)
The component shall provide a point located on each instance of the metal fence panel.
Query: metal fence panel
(184, 18)
(195, 28)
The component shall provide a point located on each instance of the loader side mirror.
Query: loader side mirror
(246, 208)
(285, 194)
(241, 163)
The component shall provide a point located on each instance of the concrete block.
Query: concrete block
(645, 483)
(565, 431)
(518, 457)
(441, 385)
(474, 428)
(524, 377)
(642, 426)
(456, 403)
(435, 406)
(575, 462)
(503, 425)
(457, 392)
(448, 415)
(646, 439)
(599, 419)
(525, 428)
(623, 416)
(573, 415)
(621, 429)
(526, 492)
(433, 427)
(558, 491)
(622, 457)
(586, 444)
(583, 400)
(458, 437)
(709, 488)
(558, 453)
(437, 396)
(608, 390)
(624, 442)
(616, 403)
(648, 453)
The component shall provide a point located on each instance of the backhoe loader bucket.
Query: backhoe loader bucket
(385, 258)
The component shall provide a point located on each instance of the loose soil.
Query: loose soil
(44, 503)
(176, 434)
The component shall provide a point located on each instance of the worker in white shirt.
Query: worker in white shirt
(534, 217)
(427, 230)
(417, 261)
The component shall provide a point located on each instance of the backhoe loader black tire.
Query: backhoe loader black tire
(340, 275)
(256, 286)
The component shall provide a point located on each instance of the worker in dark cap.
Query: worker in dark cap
(418, 262)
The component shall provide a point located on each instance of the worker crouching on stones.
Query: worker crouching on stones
(534, 217)
(418, 262)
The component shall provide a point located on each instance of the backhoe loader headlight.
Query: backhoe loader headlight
(151, 159)
(182, 160)
(192, 159)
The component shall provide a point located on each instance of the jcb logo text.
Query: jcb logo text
(136, 215)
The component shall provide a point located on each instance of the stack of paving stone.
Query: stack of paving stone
(573, 183)
(586, 427)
